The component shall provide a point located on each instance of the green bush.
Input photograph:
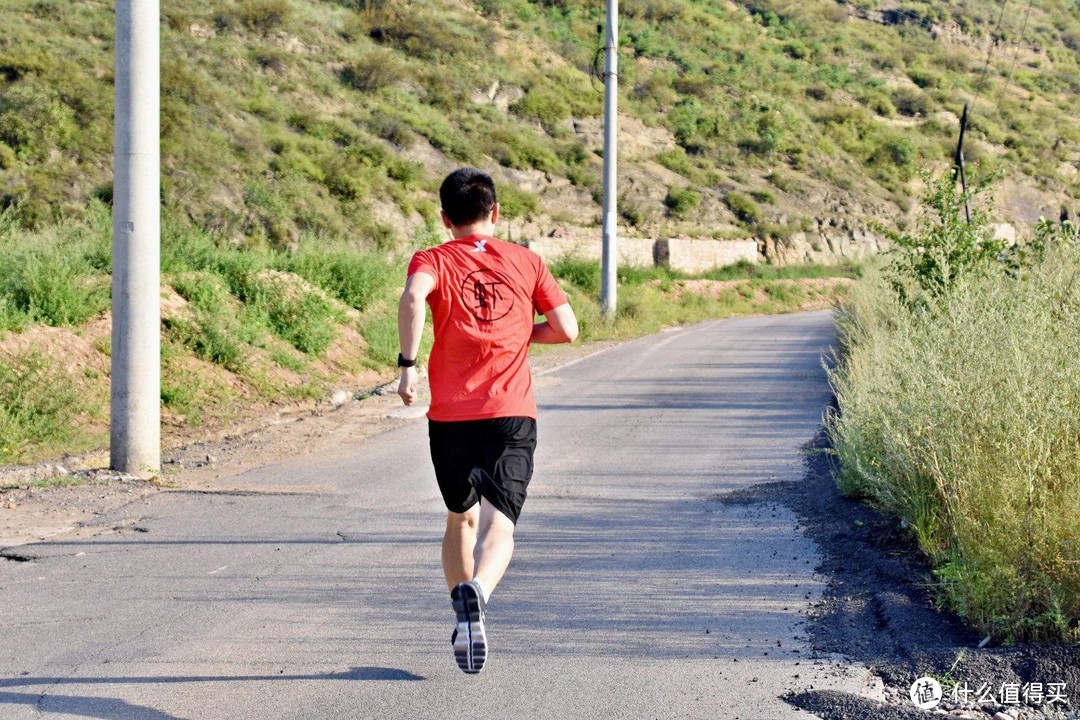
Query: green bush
(743, 206)
(544, 105)
(880, 103)
(34, 120)
(681, 201)
(763, 196)
(51, 285)
(306, 320)
(356, 278)
(214, 330)
(259, 15)
(912, 103)
(631, 208)
(380, 331)
(374, 71)
(515, 202)
(784, 182)
(945, 247)
(583, 274)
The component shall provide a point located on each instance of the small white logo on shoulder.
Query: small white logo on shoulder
(479, 246)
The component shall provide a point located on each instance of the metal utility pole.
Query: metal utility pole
(958, 159)
(135, 407)
(609, 279)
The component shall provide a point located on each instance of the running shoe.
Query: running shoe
(469, 639)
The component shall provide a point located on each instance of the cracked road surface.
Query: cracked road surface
(635, 592)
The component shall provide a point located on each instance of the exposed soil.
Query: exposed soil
(878, 610)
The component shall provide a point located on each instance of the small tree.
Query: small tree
(945, 246)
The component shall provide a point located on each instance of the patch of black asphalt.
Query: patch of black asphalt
(878, 611)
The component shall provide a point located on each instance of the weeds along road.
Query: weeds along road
(635, 592)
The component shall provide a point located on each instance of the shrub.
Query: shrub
(879, 103)
(926, 78)
(784, 182)
(680, 201)
(630, 207)
(582, 274)
(544, 105)
(771, 129)
(912, 103)
(515, 202)
(213, 330)
(743, 206)
(945, 247)
(52, 285)
(34, 120)
(899, 153)
(356, 278)
(958, 394)
(763, 196)
(301, 318)
(258, 15)
(375, 70)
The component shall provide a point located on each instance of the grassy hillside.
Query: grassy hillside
(286, 118)
(247, 330)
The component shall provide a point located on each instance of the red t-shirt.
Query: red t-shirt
(486, 296)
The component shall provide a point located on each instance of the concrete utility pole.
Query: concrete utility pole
(609, 279)
(135, 408)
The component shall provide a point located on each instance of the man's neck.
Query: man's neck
(481, 228)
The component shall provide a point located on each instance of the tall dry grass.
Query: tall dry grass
(961, 415)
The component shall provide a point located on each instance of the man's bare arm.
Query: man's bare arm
(560, 326)
(411, 327)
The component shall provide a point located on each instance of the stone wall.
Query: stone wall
(690, 255)
(636, 252)
(696, 255)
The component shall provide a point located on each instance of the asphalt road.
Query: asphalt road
(315, 592)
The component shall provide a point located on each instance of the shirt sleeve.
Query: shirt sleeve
(421, 262)
(547, 295)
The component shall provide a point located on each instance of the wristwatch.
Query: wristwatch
(403, 363)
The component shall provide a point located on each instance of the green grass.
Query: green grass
(39, 405)
(744, 269)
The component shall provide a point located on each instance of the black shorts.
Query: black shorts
(490, 459)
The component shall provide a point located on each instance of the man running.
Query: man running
(484, 296)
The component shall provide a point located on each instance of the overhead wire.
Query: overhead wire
(1019, 44)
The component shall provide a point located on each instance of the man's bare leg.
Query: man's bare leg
(459, 542)
(494, 547)
(479, 544)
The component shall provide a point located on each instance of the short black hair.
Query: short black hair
(467, 195)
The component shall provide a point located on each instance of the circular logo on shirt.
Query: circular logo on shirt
(487, 295)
